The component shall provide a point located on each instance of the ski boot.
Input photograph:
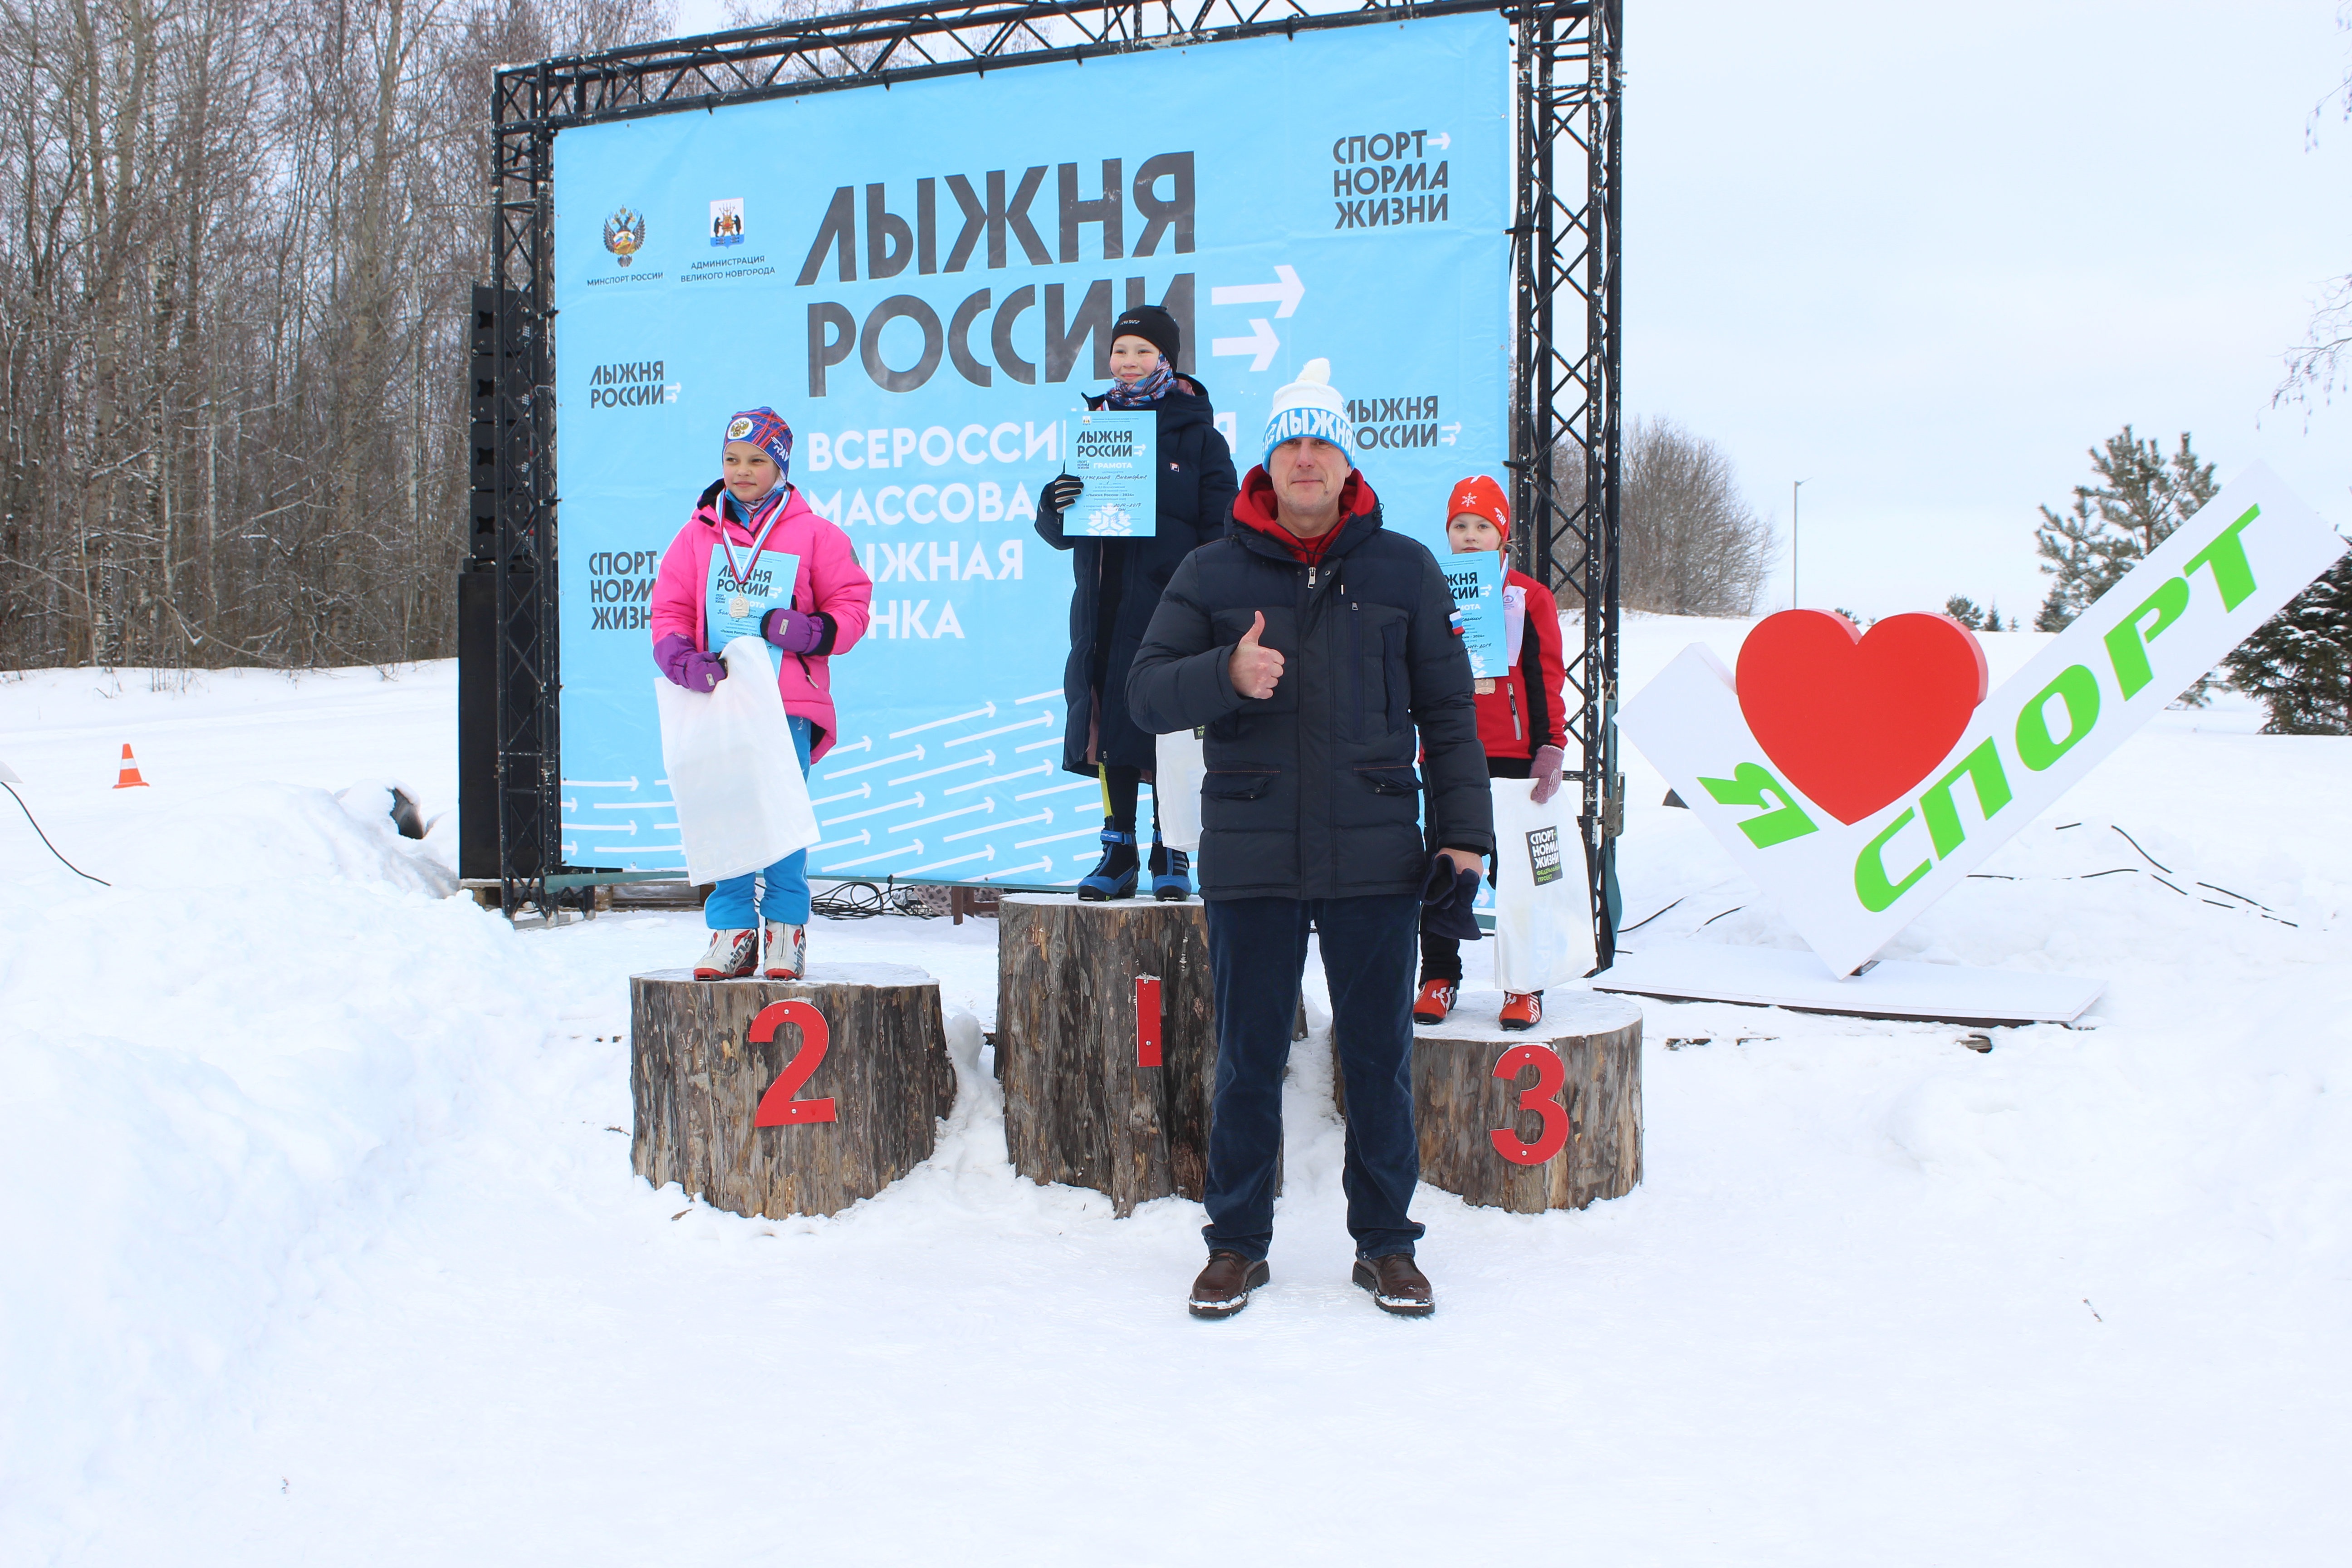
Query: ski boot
(1115, 876)
(1171, 874)
(1522, 1009)
(787, 951)
(1435, 1001)
(732, 955)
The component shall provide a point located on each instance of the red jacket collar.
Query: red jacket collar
(1255, 507)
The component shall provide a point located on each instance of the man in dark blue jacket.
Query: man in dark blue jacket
(1319, 651)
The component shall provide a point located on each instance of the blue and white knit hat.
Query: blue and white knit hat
(1308, 406)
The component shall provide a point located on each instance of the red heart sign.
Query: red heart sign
(1855, 720)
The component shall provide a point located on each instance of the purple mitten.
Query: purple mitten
(1546, 770)
(687, 664)
(791, 631)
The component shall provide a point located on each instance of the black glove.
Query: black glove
(1446, 897)
(1064, 491)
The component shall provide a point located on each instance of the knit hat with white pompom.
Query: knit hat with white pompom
(1309, 406)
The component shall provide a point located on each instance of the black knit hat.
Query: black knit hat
(1155, 326)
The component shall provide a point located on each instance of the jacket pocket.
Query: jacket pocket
(1393, 778)
(1375, 657)
(1237, 783)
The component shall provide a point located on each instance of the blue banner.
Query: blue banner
(922, 282)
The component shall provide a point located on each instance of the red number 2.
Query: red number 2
(1551, 1073)
(777, 1107)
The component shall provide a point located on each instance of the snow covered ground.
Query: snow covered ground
(321, 1246)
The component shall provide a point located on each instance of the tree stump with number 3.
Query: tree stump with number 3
(1480, 1095)
(787, 1097)
(1106, 1044)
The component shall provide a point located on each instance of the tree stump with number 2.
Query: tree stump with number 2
(1549, 1118)
(1106, 1044)
(787, 1097)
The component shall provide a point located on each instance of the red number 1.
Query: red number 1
(1551, 1073)
(777, 1107)
(1147, 1021)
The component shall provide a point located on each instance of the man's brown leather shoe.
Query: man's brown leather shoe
(1397, 1284)
(1224, 1285)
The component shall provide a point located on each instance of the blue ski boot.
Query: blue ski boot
(1171, 874)
(1115, 876)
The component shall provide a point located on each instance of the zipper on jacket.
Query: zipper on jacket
(1512, 692)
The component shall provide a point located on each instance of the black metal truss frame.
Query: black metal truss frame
(1564, 393)
(1564, 384)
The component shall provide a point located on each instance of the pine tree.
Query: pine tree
(2141, 497)
(2300, 663)
(1965, 611)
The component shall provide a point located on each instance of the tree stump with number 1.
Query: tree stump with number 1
(1106, 1041)
(787, 1097)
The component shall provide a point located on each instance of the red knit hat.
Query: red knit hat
(1482, 496)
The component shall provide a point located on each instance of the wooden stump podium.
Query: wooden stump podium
(1106, 1043)
(787, 1097)
(1547, 1118)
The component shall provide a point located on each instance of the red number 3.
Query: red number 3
(1551, 1073)
(777, 1107)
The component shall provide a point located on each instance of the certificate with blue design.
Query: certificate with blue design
(1476, 580)
(1111, 452)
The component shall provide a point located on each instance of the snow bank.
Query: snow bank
(324, 1246)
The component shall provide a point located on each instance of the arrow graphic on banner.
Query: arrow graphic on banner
(915, 755)
(1449, 434)
(1044, 816)
(874, 811)
(862, 791)
(1261, 343)
(985, 759)
(1284, 295)
(1005, 728)
(987, 712)
(1441, 140)
(863, 743)
(864, 836)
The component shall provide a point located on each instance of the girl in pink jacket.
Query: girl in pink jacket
(754, 560)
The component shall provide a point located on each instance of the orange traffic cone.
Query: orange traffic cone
(128, 777)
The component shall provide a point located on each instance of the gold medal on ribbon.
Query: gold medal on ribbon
(739, 606)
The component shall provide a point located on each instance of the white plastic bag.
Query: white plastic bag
(1543, 904)
(742, 803)
(1176, 780)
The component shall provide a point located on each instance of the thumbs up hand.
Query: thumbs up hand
(1255, 670)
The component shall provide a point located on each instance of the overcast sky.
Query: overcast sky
(1925, 257)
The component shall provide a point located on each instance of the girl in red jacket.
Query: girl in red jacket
(1521, 721)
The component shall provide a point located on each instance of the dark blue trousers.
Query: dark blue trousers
(1257, 949)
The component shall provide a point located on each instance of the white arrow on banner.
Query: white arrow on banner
(1261, 343)
(860, 793)
(1441, 140)
(987, 712)
(1284, 295)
